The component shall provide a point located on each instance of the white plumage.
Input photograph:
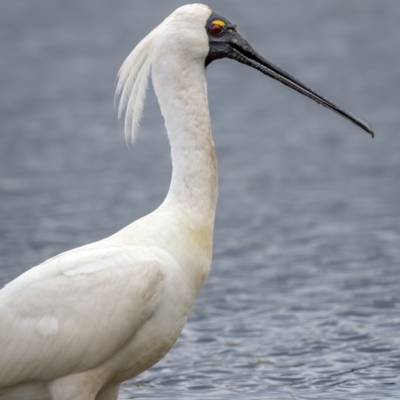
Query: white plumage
(76, 326)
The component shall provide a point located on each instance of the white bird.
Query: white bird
(76, 326)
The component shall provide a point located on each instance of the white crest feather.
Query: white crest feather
(132, 84)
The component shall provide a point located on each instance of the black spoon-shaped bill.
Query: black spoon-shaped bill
(245, 54)
(226, 42)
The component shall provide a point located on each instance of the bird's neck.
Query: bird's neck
(182, 94)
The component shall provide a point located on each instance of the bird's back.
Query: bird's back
(79, 307)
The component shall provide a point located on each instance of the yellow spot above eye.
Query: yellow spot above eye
(219, 22)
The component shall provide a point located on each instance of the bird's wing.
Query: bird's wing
(75, 310)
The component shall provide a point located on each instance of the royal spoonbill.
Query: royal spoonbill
(76, 326)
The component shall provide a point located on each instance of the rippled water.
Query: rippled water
(303, 299)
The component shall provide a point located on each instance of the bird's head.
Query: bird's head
(196, 33)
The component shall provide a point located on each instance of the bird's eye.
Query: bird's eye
(215, 29)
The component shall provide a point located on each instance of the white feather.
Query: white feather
(132, 84)
(47, 326)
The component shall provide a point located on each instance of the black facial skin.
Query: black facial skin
(219, 44)
(230, 44)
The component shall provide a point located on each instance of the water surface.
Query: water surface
(303, 298)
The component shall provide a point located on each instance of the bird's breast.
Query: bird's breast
(158, 334)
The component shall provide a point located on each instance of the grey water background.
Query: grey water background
(303, 300)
